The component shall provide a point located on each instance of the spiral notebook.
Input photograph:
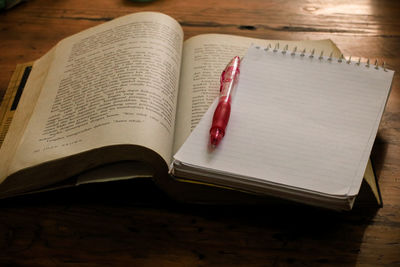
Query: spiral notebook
(302, 128)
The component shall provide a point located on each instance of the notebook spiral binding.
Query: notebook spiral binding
(321, 56)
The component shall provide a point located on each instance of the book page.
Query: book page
(115, 83)
(204, 58)
(23, 113)
(296, 121)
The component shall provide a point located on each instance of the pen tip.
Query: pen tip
(215, 137)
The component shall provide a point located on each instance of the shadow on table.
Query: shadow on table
(134, 221)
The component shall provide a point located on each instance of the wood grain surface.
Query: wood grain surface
(135, 224)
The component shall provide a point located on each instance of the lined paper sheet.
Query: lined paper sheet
(296, 121)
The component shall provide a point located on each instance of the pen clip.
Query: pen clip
(221, 80)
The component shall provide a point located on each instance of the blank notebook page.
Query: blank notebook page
(296, 121)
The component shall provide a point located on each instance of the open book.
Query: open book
(123, 95)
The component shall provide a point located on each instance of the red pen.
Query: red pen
(229, 78)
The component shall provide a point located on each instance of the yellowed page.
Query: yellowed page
(12, 96)
(23, 112)
(370, 178)
(204, 58)
(112, 84)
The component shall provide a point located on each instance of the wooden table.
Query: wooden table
(116, 224)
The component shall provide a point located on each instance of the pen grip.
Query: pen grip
(221, 116)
